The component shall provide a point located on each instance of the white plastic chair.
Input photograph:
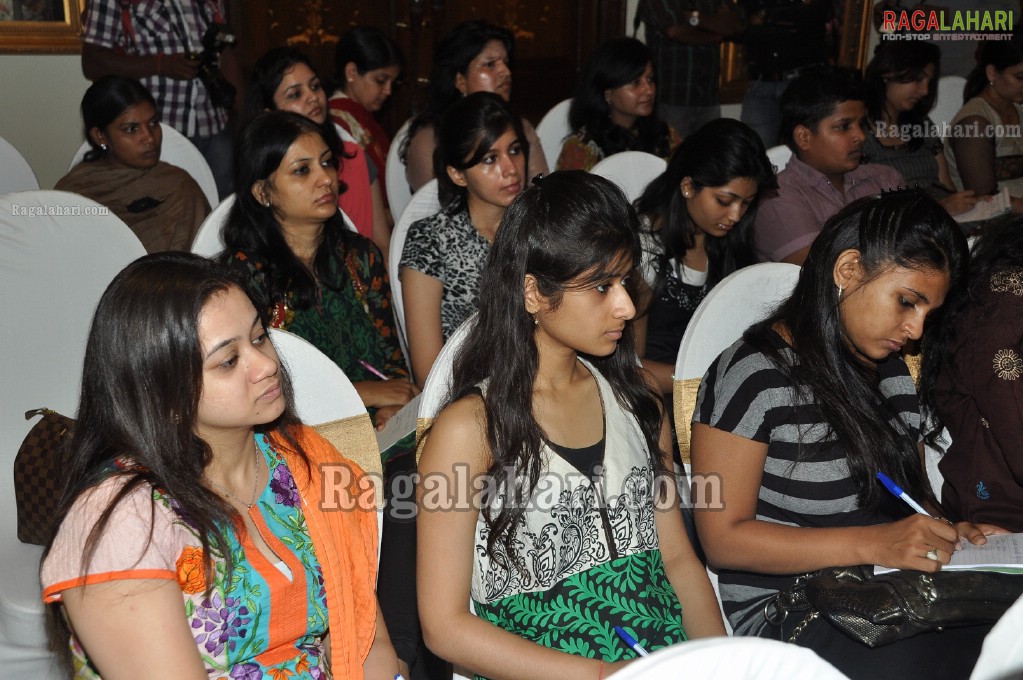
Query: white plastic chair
(732, 658)
(399, 193)
(1001, 657)
(435, 394)
(53, 269)
(176, 150)
(553, 129)
(949, 100)
(779, 157)
(632, 171)
(423, 204)
(15, 172)
(733, 305)
(209, 241)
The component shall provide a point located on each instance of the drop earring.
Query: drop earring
(103, 146)
(840, 289)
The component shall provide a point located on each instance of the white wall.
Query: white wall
(41, 94)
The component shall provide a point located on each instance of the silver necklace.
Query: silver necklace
(255, 484)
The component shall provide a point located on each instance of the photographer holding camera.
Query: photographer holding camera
(180, 50)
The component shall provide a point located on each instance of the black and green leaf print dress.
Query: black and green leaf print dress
(585, 565)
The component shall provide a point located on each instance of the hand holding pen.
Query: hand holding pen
(934, 541)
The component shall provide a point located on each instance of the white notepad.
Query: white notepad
(1002, 552)
(999, 204)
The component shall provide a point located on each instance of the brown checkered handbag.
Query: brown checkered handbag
(38, 483)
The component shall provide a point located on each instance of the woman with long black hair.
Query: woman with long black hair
(577, 527)
(796, 419)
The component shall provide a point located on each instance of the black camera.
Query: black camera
(218, 36)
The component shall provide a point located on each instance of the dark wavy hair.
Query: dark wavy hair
(451, 57)
(267, 74)
(1000, 54)
(567, 231)
(466, 132)
(140, 402)
(813, 96)
(613, 64)
(902, 228)
(104, 101)
(717, 153)
(902, 62)
(368, 48)
(999, 248)
(252, 228)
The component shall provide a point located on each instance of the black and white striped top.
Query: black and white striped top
(746, 394)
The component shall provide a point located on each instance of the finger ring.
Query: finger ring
(932, 554)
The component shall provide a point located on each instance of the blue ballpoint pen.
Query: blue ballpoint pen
(631, 642)
(899, 493)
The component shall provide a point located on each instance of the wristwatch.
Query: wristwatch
(694, 18)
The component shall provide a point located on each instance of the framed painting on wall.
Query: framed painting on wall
(40, 26)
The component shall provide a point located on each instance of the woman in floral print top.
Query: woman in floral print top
(307, 272)
(193, 541)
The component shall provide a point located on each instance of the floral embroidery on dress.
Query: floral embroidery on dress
(1008, 365)
(191, 570)
(1008, 281)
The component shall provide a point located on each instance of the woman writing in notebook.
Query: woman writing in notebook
(796, 419)
(577, 528)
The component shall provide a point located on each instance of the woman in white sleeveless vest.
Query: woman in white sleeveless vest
(547, 496)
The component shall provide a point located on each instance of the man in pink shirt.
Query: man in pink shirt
(823, 122)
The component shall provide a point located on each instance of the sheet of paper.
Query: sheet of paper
(985, 210)
(400, 424)
(1002, 552)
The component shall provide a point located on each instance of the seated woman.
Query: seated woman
(161, 203)
(795, 420)
(614, 108)
(481, 163)
(368, 63)
(985, 155)
(283, 79)
(697, 228)
(900, 84)
(474, 57)
(971, 375)
(192, 515)
(548, 397)
(307, 272)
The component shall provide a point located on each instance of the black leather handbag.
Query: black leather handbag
(879, 610)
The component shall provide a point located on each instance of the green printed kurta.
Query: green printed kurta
(588, 557)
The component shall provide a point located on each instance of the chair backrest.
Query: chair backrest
(1001, 657)
(15, 172)
(55, 264)
(208, 240)
(779, 156)
(733, 305)
(949, 101)
(423, 204)
(176, 150)
(438, 383)
(326, 399)
(735, 658)
(398, 191)
(553, 129)
(632, 171)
